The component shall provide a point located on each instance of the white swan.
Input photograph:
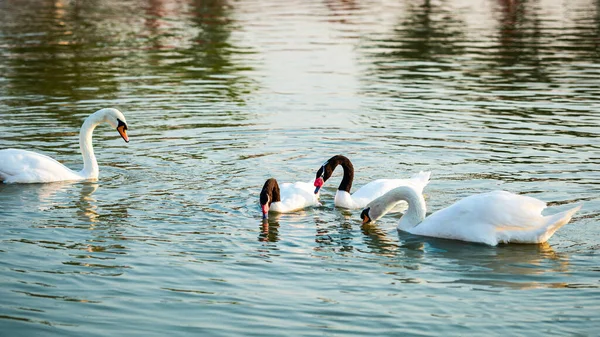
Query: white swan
(368, 192)
(287, 198)
(490, 218)
(21, 166)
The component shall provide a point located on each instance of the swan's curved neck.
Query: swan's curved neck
(270, 192)
(416, 206)
(346, 183)
(90, 165)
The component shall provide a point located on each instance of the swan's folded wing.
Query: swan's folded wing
(507, 210)
(29, 166)
(295, 196)
(478, 218)
(497, 210)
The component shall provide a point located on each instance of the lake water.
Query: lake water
(221, 95)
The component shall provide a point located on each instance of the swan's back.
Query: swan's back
(485, 217)
(295, 196)
(18, 166)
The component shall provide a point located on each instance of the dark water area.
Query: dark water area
(221, 95)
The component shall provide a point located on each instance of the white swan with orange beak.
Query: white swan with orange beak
(22, 166)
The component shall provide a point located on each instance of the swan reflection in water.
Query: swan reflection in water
(269, 229)
(54, 203)
(87, 205)
(420, 259)
(411, 258)
(378, 241)
(294, 221)
(45, 197)
(515, 266)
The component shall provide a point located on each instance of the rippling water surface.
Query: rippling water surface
(221, 95)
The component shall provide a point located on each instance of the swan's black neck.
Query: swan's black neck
(270, 192)
(348, 178)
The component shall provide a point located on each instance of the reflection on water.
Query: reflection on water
(17, 198)
(87, 204)
(220, 95)
(92, 50)
(269, 230)
(378, 241)
(50, 49)
(511, 266)
(427, 32)
(61, 207)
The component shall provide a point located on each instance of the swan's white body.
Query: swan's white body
(295, 196)
(377, 188)
(490, 218)
(22, 166)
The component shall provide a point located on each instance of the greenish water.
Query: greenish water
(221, 95)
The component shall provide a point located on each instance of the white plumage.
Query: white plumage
(22, 166)
(377, 188)
(295, 196)
(490, 218)
(286, 198)
(366, 193)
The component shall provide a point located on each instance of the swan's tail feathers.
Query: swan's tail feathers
(556, 221)
(422, 178)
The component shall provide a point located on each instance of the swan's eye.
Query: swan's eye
(321, 172)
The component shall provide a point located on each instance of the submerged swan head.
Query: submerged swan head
(379, 207)
(375, 211)
(269, 194)
(115, 119)
(364, 215)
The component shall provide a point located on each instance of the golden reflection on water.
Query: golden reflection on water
(269, 230)
(378, 240)
(511, 265)
(87, 204)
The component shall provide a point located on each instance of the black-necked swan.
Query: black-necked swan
(366, 193)
(286, 198)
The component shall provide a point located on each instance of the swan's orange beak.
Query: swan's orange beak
(122, 129)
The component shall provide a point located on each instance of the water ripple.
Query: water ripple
(220, 96)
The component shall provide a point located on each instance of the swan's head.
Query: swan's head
(324, 173)
(269, 194)
(116, 119)
(379, 207)
(265, 203)
(372, 213)
(364, 215)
